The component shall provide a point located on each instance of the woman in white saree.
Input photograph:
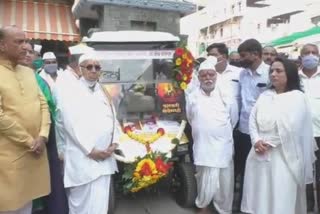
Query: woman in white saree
(280, 161)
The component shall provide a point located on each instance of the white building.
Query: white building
(232, 21)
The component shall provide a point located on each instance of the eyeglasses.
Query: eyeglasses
(50, 62)
(90, 67)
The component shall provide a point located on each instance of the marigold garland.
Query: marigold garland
(145, 172)
(183, 67)
(141, 139)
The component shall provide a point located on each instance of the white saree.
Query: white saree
(275, 182)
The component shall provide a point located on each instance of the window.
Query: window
(232, 9)
(239, 3)
(141, 25)
(221, 31)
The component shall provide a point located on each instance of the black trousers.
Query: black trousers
(310, 190)
(242, 147)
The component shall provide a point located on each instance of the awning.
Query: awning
(295, 36)
(40, 20)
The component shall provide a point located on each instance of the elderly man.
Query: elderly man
(269, 54)
(310, 76)
(213, 114)
(91, 134)
(24, 129)
(50, 69)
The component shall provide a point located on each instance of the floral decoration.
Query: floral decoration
(145, 172)
(141, 138)
(183, 67)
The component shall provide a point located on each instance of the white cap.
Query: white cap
(208, 64)
(37, 48)
(79, 49)
(87, 56)
(49, 55)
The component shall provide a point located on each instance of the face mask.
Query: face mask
(51, 68)
(88, 82)
(235, 63)
(246, 63)
(310, 61)
(37, 63)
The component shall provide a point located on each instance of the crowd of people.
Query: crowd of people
(254, 119)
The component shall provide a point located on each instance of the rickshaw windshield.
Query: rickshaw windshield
(136, 79)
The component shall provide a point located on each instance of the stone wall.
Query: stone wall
(114, 18)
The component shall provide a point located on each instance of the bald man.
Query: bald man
(24, 129)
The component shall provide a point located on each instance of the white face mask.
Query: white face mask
(88, 82)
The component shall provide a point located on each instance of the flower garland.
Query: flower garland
(145, 172)
(183, 69)
(141, 139)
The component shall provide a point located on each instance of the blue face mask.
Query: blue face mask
(310, 61)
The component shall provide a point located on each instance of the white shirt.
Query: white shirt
(51, 82)
(212, 119)
(231, 76)
(88, 123)
(251, 86)
(311, 87)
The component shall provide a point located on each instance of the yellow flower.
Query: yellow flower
(184, 77)
(178, 61)
(145, 161)
(184, 56)
(136, 174)
(135, 189)
(183, 86)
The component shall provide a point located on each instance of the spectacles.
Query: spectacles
(50, 62)
(90, 67)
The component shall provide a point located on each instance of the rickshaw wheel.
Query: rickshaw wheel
(184, 186)
(112, 196)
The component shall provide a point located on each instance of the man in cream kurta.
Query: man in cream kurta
(213, 113)
(90, 127)
(24, 129)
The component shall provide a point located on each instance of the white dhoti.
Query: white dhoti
(26, 209)
(91, 198)
(215, 184)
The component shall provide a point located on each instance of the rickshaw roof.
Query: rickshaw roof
(131, 37)
(79, 49)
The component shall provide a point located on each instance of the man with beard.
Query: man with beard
(269, 54)
(212, 114)
(254, 79)
(24, 129)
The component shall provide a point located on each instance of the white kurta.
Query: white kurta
(274, 182)
(89, 124)
(65, 87)
(212, 119)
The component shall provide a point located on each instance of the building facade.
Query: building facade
(149, 15)
(233, 21)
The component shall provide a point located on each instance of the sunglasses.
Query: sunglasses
(50, 62)
(90, 67)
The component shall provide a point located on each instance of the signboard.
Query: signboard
(150, 54)
(171, 100)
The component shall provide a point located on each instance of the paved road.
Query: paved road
(150, 203)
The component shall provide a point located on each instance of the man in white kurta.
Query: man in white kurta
(66, 82)
(91, 135)
(212, 114)
(50, 70)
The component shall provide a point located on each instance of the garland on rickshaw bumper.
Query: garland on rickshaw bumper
(141, 139)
